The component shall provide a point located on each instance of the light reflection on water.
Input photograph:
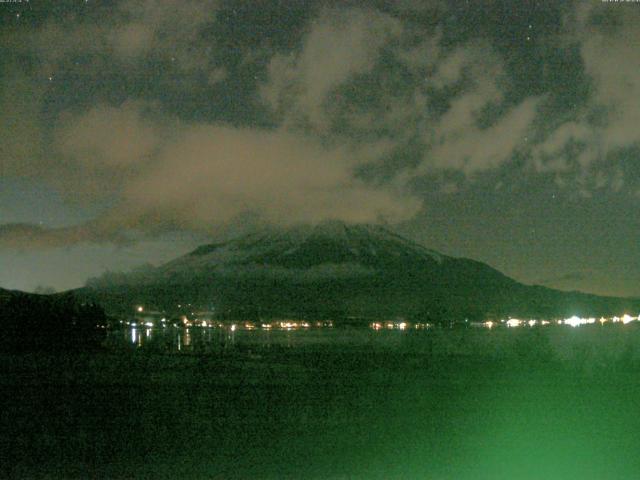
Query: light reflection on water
(565, 344)
(198, 339)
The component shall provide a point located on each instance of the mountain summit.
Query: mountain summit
(335, 269)
(305, 247)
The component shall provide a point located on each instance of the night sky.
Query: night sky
(504, 131)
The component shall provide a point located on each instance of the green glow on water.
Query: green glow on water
(546, 405)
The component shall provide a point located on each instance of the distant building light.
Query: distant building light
(574, 321)
(627, 319)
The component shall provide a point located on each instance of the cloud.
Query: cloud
(132, 40)
(165, 28)
(450, 69)
(431, 107)
(155, 173)
(134, 32)
(550, 154)
(199, 177)
(212, 174)
(471, 149)
(30, 236)
(424, 55)
(582, 146)
(456, 140)
(20, 129)
(217, 75)
(57, 41)
(87, 156)
(610, 60)
(108, 136)
(338, 46)
(471, 77)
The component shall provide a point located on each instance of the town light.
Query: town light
(626, 318)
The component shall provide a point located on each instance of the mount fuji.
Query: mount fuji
(339, 270)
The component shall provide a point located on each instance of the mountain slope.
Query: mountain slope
(58, 321)
(336, 270)
(307, 247)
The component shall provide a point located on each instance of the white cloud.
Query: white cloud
(210, 175)
(450, 69)
(456, 141)
(549, 157)
(167, 28)
(108, 136)
(132, 40)
(611, 61)
(471, 149)
(338, 46)
(137, 29)
(20, 131)
(164, 176)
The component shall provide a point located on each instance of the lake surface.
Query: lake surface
(550, 404)
(211, 340)
(586, 345)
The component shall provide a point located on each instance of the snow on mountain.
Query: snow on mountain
(305, 247)
(335, 268)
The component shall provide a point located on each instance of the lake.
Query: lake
(241, 336)
(328, 403)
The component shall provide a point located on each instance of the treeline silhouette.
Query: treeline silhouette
(49, 322)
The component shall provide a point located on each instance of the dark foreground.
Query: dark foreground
(529, 404)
